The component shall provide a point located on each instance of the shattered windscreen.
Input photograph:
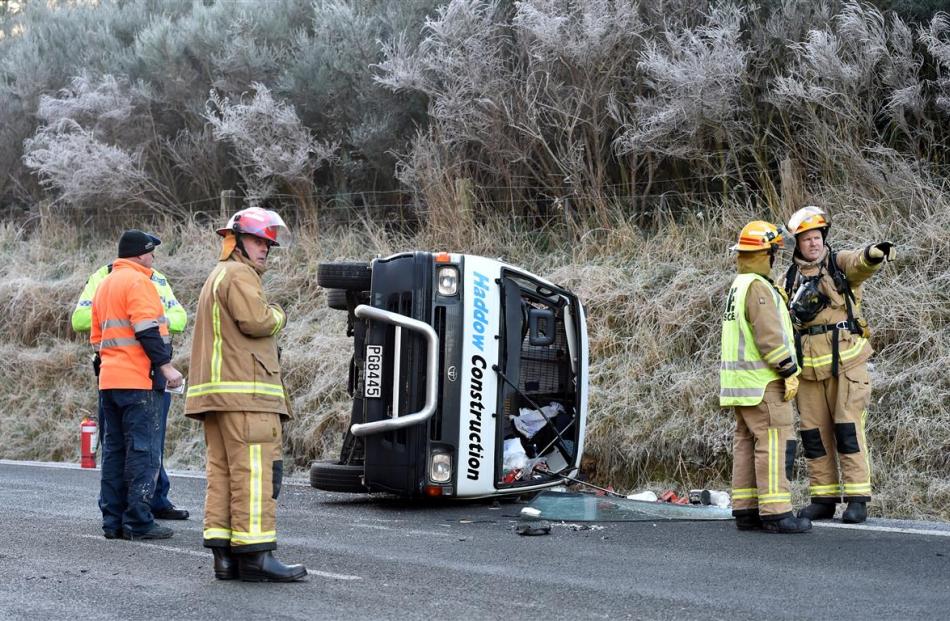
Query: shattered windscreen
(577, 507)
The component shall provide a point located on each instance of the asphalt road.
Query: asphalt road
(382, 558)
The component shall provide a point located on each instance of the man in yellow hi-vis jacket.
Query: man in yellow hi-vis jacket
(824, 287)
(758, 377)
(177, 318)
(235, 388)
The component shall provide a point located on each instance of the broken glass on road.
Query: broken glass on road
(577, 507)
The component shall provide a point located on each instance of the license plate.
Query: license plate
(373, 372)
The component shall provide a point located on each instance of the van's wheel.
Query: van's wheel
(334, 477)
(347, 276)
(336, 299)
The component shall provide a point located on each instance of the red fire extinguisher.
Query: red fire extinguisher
(88, 439)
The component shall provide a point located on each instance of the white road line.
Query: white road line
(883, 529)
(182, 474)
(408, 531)
(312, 572)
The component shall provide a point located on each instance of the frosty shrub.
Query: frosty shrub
(936, 36)
(86, 172)
(274, 151)
(693, 78)
(80, 151)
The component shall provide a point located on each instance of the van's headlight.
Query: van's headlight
(448, 276)
(440, 467)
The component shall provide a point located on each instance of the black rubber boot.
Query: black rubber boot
(749, 522)
(787, 525)
(263, 567)
(225, 565)
(855, 513)
(818, 511)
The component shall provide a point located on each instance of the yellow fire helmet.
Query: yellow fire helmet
(808, 218)
(758, 235)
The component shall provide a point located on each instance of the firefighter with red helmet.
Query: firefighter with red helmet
(824, 289)
(235, 389)
(758, 377)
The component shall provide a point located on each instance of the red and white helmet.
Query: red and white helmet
(259, 222)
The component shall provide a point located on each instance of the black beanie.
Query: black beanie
(135, 243)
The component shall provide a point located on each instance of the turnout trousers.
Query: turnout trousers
(833, 417)
(244, 474)
(763, 451)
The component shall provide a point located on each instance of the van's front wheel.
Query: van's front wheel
(334, 477)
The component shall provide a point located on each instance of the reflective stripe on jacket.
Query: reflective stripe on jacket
(234, 366)
(175, 312)
(755, 320)
(126, 303)
(817, 349)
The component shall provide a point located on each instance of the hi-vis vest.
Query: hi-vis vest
(174, 312)
(126, 303)
(744, 372)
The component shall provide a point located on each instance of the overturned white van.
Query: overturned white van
(468, 377)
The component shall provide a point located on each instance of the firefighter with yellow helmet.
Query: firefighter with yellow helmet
(831, 337)
(758, 377)
(235, 389)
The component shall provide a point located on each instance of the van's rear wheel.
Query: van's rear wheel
(336, 299)
(334, 477)
(347, 276)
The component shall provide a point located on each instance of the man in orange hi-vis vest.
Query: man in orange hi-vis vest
(130, 332)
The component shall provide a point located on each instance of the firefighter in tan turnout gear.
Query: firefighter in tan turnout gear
(235, 388)
(824, 289)
(757, 377)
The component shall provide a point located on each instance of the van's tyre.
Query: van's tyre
(336, 299)
(334, 477)
(347, 276)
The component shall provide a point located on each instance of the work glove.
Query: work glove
(791, 387)
(882, 251)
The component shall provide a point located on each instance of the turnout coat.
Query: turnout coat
(234, 357)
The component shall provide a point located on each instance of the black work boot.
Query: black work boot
(263, 567)
(855, 513)
(225, 565)
(818, 511)
(155, 532)
(787, 525)
(171, 513)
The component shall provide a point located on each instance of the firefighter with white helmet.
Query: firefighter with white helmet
(831, 337)
(758, 377)
(235, 389)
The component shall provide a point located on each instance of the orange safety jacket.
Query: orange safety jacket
(125, 308)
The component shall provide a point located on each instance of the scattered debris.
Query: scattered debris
(533, 528)
(579, 527)
(646, 496)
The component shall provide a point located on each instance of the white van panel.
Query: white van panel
(479, 397)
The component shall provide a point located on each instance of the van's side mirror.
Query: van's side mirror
(540, 326)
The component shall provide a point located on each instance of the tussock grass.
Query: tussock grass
(653, 301)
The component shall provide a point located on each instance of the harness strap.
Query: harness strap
(834, 351)
(798, 349)
(850, 325)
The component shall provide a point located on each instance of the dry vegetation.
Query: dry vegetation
(614, 146)
(653, 302)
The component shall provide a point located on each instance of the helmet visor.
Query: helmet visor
(803, 214)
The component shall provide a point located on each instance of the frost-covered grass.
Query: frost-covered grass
(653, 302)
